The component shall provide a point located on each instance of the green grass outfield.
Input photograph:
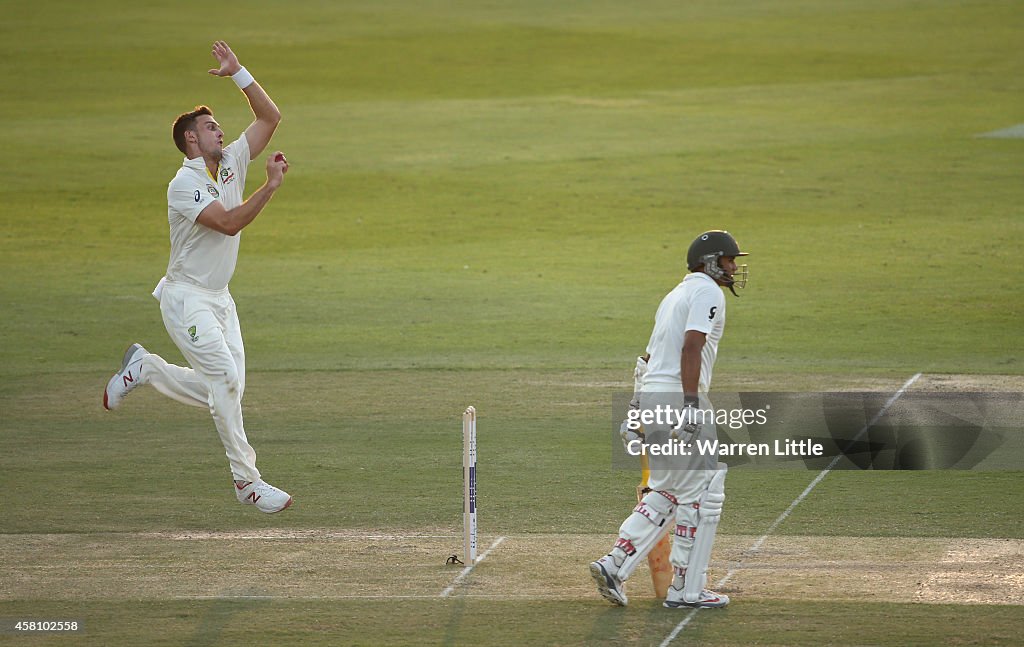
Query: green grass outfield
(485, 205)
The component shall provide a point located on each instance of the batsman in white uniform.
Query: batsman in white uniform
(686, 491)
(206, 212)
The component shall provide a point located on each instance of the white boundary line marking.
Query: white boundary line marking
(466, 571)
(679, 627)
(753, 550)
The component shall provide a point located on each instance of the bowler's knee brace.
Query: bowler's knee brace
(640, 531)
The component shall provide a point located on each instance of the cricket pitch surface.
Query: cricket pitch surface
(339, 564)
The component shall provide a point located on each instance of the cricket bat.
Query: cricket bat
(658, 559)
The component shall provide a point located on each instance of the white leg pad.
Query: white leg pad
(641, 530)
(687, 519)
(700, 554)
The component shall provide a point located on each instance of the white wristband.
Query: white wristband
(242, 78)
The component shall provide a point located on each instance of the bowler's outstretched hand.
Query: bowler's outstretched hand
(228, 61)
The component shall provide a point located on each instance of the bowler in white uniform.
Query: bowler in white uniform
(206, 213)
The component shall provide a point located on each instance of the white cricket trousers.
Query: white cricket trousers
(686, 478)
(204, 326)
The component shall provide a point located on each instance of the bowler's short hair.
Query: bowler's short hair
(187, 121)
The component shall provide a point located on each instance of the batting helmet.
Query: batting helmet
(707, 248)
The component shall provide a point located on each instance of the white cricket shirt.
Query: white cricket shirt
(199, 255)
(695, 304)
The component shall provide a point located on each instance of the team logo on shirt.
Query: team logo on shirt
(227, 176)
(192, 334)
(213, 190)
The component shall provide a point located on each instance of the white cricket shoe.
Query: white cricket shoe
(708, 599)
(129, 377)
(263, 495)
(609, 585)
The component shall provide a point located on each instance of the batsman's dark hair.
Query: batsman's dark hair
(186, 121)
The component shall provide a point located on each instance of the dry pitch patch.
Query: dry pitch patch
(955, 383)
(333, 564)
(949, 382)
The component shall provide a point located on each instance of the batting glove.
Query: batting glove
(629, 435)
(690, 420)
